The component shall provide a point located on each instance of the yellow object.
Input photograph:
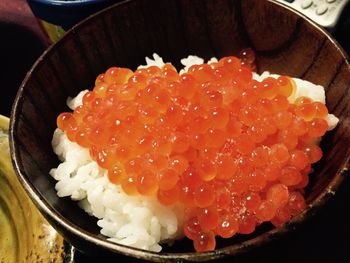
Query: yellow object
(25, 236)
(54, 32)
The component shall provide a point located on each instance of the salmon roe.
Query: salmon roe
(232, 151)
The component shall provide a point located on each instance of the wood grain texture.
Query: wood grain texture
(284, 42)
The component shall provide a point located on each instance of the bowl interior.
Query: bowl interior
(122, 35)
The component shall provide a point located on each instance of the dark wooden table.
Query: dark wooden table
(325, 238)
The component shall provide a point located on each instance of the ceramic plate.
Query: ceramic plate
(25, 234)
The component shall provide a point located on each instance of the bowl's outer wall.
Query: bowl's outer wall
(123, 35)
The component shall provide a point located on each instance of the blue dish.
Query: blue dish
(58, 16)
(66, 13)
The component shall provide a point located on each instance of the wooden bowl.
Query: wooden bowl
(285, 43)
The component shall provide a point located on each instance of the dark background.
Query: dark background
(325, 238)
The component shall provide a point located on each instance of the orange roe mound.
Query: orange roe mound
(232, 151)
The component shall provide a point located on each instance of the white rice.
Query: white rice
(136, 221)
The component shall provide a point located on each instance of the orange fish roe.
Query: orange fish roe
(232, 151)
